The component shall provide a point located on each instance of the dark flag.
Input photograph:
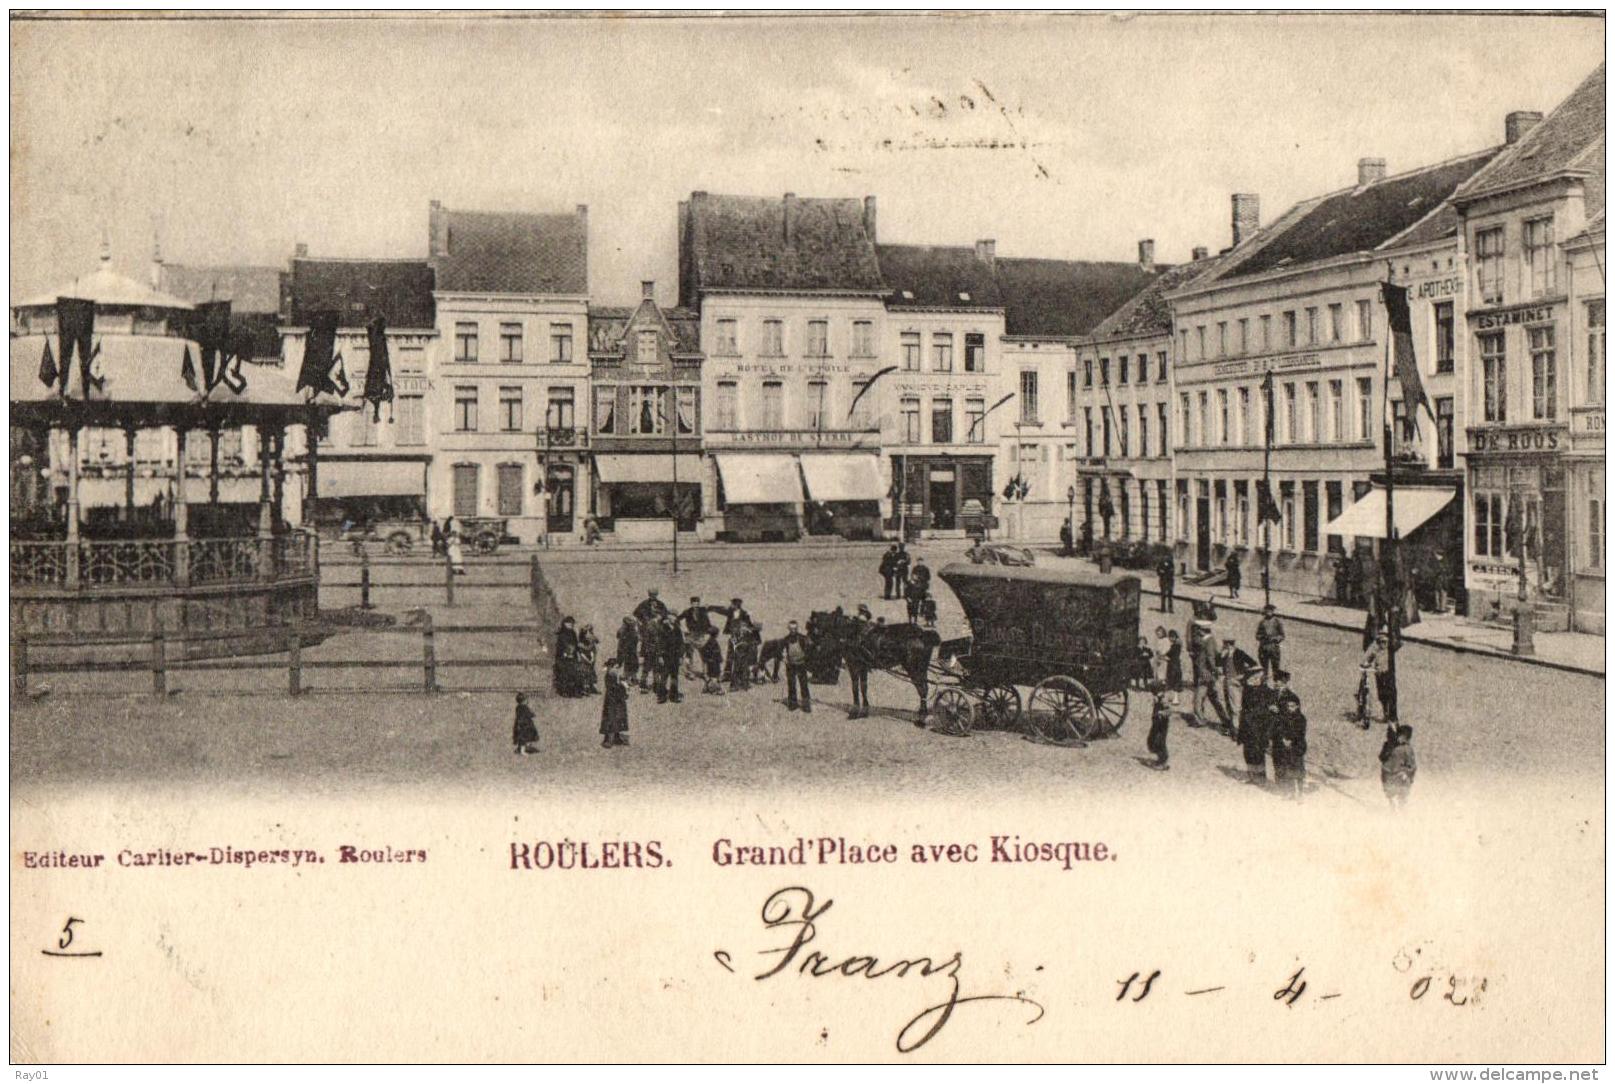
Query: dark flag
(211, 330)
(75, 327)
(187, 370)
(319, 356)
(47, 367)
(339, 378)
(1407, 366)
(230, 374)
(1267, 509)
(867, 385)
(378, 379)
(1267, 408)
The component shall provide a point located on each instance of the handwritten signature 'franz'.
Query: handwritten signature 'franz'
(796, 912)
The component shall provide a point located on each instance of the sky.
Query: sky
(1074, 137)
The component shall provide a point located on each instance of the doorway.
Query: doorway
(943, 491)
(559, 482)
(1202, 533)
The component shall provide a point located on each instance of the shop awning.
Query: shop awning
(1411, 507)
(760, 478)
(851, 477)
(372, 478)
(647, 467)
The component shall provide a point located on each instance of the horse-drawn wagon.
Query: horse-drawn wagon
(1070, 637)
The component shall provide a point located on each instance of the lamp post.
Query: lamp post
(1524, 639)
(1070, 517)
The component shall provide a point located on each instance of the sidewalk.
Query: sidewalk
(1578, 652)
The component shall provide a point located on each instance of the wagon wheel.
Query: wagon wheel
(951, 712)
(1000, 707)
(1061, 710)
(486, 543)
(398, 543)
(1112, 709)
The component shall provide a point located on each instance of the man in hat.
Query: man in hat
(1288, 737)
(888, 572)
(669, 657)
(1229, 668)
(1253, 712)
(900, 569)
(1166, 578)
(1377, 659)
(857, 656)
(698, 629)
(735, 618)
(648, 614)
(1269, 635)
(1203, 658)
(798, 649)
(1235, 575)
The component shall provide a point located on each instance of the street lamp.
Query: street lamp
(1524, 640)
(1070, 517)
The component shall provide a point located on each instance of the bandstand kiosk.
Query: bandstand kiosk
(106, 352)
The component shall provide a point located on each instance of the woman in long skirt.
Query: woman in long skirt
(614, 708)
(454, 543)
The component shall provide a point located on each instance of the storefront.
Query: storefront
(843, 493)
(638, 495)
(371, 492)
(931, 491)
(1518, 522)
(759, 497)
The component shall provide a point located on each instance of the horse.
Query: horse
(907, 648)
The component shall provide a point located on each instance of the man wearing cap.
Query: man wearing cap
(1253, 710)
(1203, 657)
(857, 656)
(797, 650)
(900, 570)
(669, 657)
(649, 615)
(1166, 576)
(1269, 635)
(888, 572)
(735, 618)
(1377, 659)
(1288, 737)
(1228, 670)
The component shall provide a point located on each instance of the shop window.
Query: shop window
(1490, 509)
(1242, 511)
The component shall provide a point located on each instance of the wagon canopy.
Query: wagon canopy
(1064, 619)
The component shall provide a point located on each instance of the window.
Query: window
(1122, 508)
(1222, 415)
(1595, 519)
(1444, 424)
(510, 409)
(1292, 420)
(1222, 338)
(510, 489)
(1160, 503)
(1104, 421)
(941, 421)
(1200, 340)
(1029, 396)
(1309, 516)
(818, 340)
(1160, 367)
(1365, 320)
(1144, 507)
(412, 360)
(1595, 351)
(1222, 512)
(605, 409)
(1143, 431)
(364, 436)
(911, 420)
(1544, 382)
(1122, 444)
(728, 340)
(559, 414)
(1538, 241)
(818, 392)
(1205, 420)
(1087, 428)
(1444, 336)
(975, 421)
(1314, 434)
(685, 400)
(863, 407)
(1143, 369)
(1365, 408)
(1489, 265)
(911, 351)
(863, 339)
(1489, 521)
(1337, 407)
(975, 352)
(1287, 509)
(465, 343)
(1337, 323)
(510, 344)
(1401, 431)
(1183, 343)
(1185, 428)
(728, 396)
(773, 344)
(1087, 372)
(1244, 341)
(1334, 498)
(1071, 396)
(1104, 372)
(773, 405)
(1494, 374)
(645, 349)
(465, 409)
(1267, 332)
(1312, 326)
(411, 420)
(1289, 328)
(1183, 509)
(560, 344)
(465, 489)
(942, 352)
(1121, 369)
(1242, 512)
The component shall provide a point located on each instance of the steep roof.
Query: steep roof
(400, 291)
(510, 252)
(1569, 138)
(926, 276)
(1064, 298)
(741, 243)
(1147, 312)
(248, 289)
(1362, 219)
(609, 323)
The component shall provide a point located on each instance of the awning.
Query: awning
(646, 467)
(851, 477)
(759, 478)
(372, 478)
(1412, 508)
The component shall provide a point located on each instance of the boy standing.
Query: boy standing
(525, 732)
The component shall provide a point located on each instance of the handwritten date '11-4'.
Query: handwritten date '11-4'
(794, 916)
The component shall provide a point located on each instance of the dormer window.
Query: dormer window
(645, 352)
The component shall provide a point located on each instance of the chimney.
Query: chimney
(437, 230)
(583, 212)
(300, 251)
(1517, 123)
(156, 263)
(1146, 254)
(647, 289)
(1200, 252)
(869, 217)
(1370, 171)
(987, 252)
(1247, 215)
(790, 218)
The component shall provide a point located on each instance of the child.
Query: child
(1143, 667)
(1397, 765)
(1174, 665)
(614, 708)
(525, 733)
(1160, 720)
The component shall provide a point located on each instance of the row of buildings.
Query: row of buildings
(813, 379)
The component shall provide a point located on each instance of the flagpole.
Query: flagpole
(1386, 610)
(1267, 484)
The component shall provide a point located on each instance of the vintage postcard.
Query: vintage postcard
(808, 538)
